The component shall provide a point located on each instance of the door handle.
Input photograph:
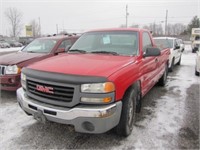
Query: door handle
(156, 60)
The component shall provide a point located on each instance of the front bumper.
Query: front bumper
(10, 82)
(84, 118)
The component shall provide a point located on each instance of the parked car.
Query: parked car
(39, 49)
(197, 65)
(175, 49)
(16, 44)
(99, 84)
(25, 40)
(4, 44)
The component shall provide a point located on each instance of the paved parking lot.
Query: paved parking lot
(169, 120)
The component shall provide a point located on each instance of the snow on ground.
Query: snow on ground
(14, 128)
(12, 49)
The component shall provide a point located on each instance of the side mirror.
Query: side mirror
(176, 47)
(152, 52)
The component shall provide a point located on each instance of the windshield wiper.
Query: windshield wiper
(31, 52)
(76, 50)
(105, 52)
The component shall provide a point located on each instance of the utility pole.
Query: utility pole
(39, 27)
(166, 22)
(127, 16)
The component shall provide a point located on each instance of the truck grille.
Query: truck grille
(2, 70)
(50, 92)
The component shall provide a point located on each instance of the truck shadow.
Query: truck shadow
(59, 136)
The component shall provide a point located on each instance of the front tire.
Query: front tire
(196, 73)
(179, 62)
(127, 119)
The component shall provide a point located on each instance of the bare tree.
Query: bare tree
(155, 28)
(134, 26)
(175, 29)
(195, 23)
(14, 17)
(146, 27)
(35, 28)
(122, 26)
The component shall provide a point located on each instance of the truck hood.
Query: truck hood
(18, 57)
(84, 64)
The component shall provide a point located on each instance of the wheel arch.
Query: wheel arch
(134, 85)
(137, 86)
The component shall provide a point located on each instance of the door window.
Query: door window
(65, 44)
(146, 41)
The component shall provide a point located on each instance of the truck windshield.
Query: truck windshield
(115, 43)
(40, 46)
(164, 43)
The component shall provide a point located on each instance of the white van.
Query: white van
(195, 39)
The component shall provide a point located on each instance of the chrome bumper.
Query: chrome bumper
(87, 119)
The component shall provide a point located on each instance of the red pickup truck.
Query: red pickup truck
(39, 49)
(98, 85)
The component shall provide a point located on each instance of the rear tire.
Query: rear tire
(172, 66)
(127, 120)
(163, 79)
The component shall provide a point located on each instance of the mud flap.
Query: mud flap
(39, 116)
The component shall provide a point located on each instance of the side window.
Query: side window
(65, 43)
(146, 41)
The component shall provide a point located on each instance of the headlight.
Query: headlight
(12, 69)
(23, 80)
(106, 87)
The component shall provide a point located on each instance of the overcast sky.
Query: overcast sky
(83, 15)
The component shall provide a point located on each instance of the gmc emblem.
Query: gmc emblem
(44, 89)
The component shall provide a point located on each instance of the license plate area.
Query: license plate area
(39, 116)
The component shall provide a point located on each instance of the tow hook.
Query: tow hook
(39, 116)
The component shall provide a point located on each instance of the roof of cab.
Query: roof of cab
(118, 29)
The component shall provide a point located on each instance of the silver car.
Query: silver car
(4, 44)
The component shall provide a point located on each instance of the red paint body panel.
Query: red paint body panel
(84, 64)
(6, 83)
(23, 59)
